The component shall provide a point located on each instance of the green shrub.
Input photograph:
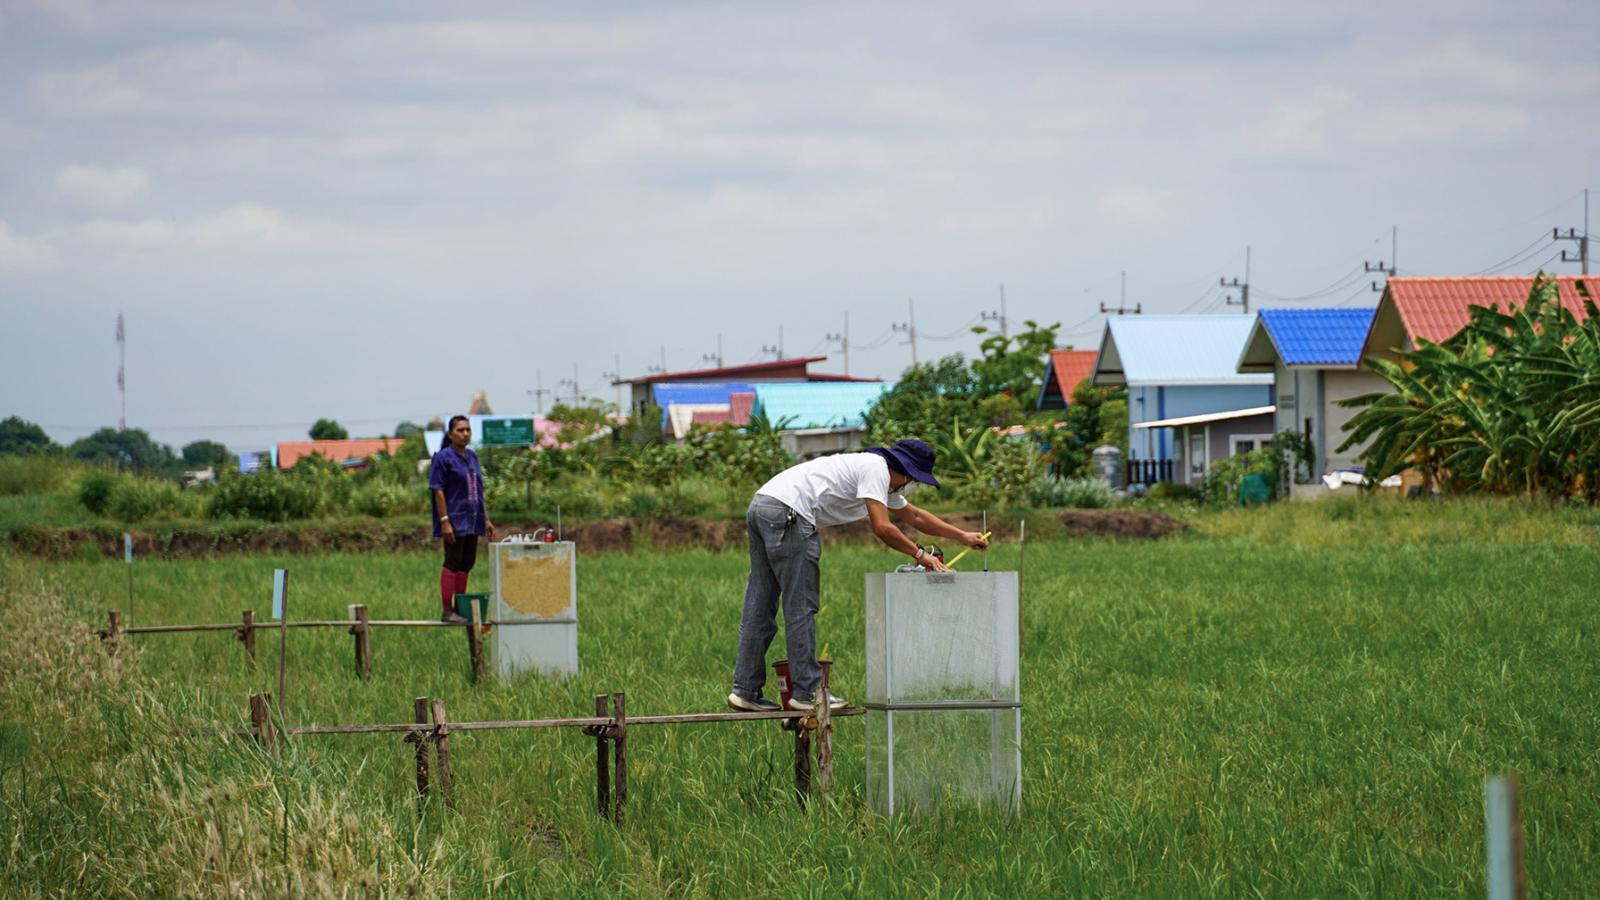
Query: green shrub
(642, 503)
(33, 474)
(382, 498)
(140, 499)
(94, 492)
(1171, 490)
(268, 495)
(1072, 493)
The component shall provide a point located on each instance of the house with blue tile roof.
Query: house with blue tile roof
(1181, 372)
(1314, 358)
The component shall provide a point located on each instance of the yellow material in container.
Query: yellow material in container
(537, 585)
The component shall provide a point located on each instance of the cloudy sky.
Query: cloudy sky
(369, 211)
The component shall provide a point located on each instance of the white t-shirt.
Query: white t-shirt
(833, 490)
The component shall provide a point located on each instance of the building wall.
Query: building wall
(1218, 440)
(1148, 403)
(1341, 384)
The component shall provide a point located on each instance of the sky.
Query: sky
(369, 211)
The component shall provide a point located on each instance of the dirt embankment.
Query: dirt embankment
(603, 536)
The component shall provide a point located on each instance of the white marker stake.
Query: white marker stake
(127, 557)
(280, 611)
(1503, 827)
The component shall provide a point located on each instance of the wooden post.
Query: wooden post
(441, 746)
(824, 741)
(802, 761)
(620, 736)
(419, 739)
(363, 640)
(261, 722)
(1503, 844)
(602, 766)
(113, 631)
(475, 642)
(247, 634)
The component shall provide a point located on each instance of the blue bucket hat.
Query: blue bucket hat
(910, 456)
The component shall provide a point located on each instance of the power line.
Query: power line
(1533, 249)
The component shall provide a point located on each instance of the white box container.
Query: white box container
(944, 710)
(535, 606)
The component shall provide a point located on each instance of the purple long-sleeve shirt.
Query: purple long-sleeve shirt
(462, 482)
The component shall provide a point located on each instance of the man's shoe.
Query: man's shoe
(451, 617)
(811, 704)
(759, 704)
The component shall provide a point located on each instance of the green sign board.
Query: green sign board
(506, 432)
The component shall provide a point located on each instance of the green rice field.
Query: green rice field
(1291, 702)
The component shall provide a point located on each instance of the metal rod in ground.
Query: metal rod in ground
(261, 722)
(247, 634)
(475, 642)
(441, 746)
(602, 766)
(1503, 826)
(419, 741)
(620, 738)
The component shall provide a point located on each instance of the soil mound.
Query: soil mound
(1120, 523)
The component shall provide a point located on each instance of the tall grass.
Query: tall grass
(1299, 704)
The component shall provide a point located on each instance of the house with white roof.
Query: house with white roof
(1182, 372)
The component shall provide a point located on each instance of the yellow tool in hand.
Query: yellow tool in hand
(952, 563)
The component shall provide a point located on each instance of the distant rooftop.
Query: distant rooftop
(1325, 338)
(1172, 350)
(796, 368)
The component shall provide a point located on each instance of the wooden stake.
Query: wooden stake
(247, 634)
(619, 735)
(802, 762)
(824, 739)
(602, 766)
(363, 641)
(113, 631)
(261, 722)
(475, 642)
(419, 740)
(441, 746)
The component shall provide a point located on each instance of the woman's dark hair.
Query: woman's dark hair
(452, 424)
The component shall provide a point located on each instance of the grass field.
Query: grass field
(1299, 701)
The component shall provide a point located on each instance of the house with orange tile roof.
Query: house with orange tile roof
(1434, 309)
(1066, 369)
(346, 453)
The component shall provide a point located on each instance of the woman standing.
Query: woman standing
(459, 514)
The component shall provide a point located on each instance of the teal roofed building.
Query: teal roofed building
(818, 418)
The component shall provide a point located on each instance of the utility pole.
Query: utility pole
(843, 340)
(577, 396)
(1571, 235)
(775, 349)
(616, 377)
(1394, 259)
(909, 327)
(1122, 304)
(714, 357)
(538, 392)
(998, 316)
(1243, 286)
(122, 368)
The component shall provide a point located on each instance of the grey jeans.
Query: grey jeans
(784, 551)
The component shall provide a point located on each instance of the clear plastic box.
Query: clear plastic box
(535, 602)
(944, 718)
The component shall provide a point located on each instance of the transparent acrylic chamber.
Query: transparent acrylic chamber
(535, 590)
(944, 713)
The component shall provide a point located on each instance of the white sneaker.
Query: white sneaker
(811, 705)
